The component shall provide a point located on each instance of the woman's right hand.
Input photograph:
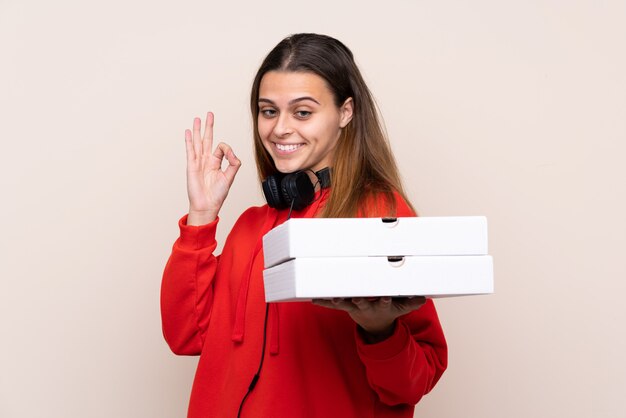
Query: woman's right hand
(207, 184)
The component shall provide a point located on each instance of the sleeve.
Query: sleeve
(408, 364)
(187, 288)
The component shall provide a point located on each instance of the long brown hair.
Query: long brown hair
(363, 163)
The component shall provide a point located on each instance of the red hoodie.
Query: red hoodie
(315, 362)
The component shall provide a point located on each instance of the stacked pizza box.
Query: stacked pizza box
(367, 257)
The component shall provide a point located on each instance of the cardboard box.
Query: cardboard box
(366, 237)
(325, 258)
(432, 276)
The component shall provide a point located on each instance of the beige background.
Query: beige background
(513, 110)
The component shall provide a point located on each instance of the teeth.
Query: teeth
(288, 147)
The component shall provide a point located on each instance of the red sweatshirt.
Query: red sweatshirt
(315, 362)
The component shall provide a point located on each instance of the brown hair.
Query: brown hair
(363, 162)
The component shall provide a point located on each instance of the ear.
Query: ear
(345, 112)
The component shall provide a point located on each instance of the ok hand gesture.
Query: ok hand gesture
(207, 184)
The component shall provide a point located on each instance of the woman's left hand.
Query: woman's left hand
(376, 316)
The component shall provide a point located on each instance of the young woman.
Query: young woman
(359, 357)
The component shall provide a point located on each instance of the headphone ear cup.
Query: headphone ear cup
(272, 191)
(297, 187)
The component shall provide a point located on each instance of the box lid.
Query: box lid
(360, 237)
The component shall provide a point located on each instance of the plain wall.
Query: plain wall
(513, 110)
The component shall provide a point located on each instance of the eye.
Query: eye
(267, 112)
(303, 114)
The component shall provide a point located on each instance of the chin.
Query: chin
(288, 167)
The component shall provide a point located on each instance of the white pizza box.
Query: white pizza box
(364, 237)
(308, 278)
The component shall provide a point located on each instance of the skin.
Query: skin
(376, 317)
(207, 183)
(299, 125)
(297, 110)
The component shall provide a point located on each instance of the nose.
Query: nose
(283, 128)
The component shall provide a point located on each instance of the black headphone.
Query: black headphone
(284, 190)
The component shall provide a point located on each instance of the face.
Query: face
(298, 121)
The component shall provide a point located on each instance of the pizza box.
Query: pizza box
(307, 278)
(366, 237)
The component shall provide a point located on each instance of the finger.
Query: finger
(335, 303)
(418, 302)
(343, 304)
(410, 304)
(191, 155)
(197, 145)
(363, 304)
(215, 162)
(224, 150)
(207, 139)
(384, 302)
(233, 166)
(322, 302)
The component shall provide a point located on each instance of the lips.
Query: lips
(287, 148)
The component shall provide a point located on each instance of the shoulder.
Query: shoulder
(380, 204)
(252, 217)
(403, 207)
(247, 228)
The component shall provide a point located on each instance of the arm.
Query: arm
(408, 364)
(187, 287)
(399, 340)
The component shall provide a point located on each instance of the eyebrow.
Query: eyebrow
(291, 102)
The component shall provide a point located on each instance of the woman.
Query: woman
(360, 357)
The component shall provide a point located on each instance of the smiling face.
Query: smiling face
(298, 122)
